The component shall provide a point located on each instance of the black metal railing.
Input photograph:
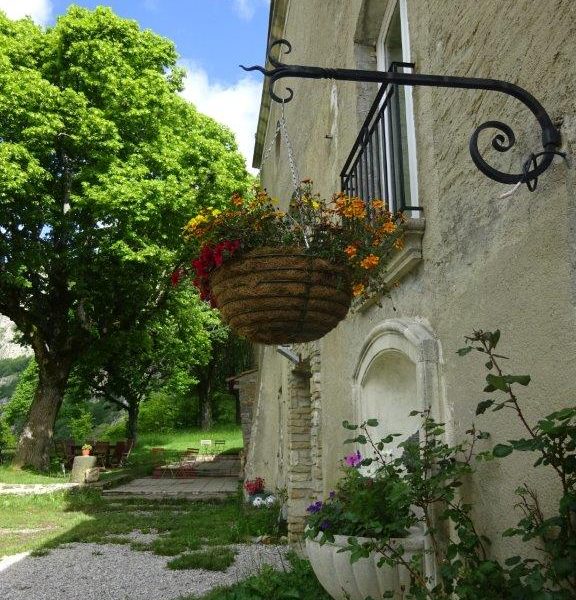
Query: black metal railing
(375, 168)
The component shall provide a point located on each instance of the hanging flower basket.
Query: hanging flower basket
(282, 277)
(281, 296)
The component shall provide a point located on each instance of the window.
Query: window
(382, 163)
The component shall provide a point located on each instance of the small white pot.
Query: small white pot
(344, 580)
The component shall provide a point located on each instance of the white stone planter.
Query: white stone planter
(346, 581)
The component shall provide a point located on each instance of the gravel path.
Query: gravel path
(115, 572)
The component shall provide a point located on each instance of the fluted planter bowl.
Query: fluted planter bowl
(281, 296)
(344, 580)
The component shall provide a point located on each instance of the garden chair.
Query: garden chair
(101, 451)
(157, 455)
(190, 454)
(66, 451)
(205, 446)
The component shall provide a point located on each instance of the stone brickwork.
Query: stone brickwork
(300, 484)
(247, 390)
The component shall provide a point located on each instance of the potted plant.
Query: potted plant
(281, 277)
(347, 533)
(86, 449)
(255, 490)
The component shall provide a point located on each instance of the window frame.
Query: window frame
(383, 60)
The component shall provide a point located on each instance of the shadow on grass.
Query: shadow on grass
(193, 534)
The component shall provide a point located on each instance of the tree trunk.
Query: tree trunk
(36, 439)
(238, 406)
(205, 401)
(132, 424)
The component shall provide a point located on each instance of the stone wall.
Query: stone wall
(486, 262)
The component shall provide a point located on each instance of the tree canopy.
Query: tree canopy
(101, 165)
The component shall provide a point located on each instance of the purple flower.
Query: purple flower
(332, 495)
(315, 507)
(326, 524)
(354, 459)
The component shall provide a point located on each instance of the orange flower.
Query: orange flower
(358, 289)
(389, 227)
(399, 244)
(377, 204)
(237, 200)
(370, 261)
(351, 251)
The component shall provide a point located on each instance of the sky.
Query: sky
(212, 37)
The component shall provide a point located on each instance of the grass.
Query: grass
(10, 475)
(195, 534)
(296, 582)
(49, 520)
(215, 559)
(141, 461)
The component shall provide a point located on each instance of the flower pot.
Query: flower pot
(281, 296)
(344, 580)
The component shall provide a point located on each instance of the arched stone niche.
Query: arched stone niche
(397, 372)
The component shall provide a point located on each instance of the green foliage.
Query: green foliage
(368, 506)
(13, 366)
(553, 440)
(80, 427)
(7, 438)
(101, 163)
(15, 411)
(215, 559)
(162, 412)
(296, 582)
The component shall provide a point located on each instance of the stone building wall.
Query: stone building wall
(486, 262)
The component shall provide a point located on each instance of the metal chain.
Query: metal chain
(283, 130)
(291, 161)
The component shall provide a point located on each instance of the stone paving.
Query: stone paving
(193, 489)
(34, 488)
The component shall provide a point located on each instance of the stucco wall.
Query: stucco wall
(487, 262)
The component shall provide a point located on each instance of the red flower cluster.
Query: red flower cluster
(254, 486)
(210, 258)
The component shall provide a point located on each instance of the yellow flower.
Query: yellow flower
(315, 204)
(216, 212)
(399, 244)
(370, 261)
(358, 289)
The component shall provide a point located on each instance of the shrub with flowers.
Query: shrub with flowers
(254, 486)
(345, 230)
(374, 506)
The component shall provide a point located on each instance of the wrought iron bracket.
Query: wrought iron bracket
(503, 141)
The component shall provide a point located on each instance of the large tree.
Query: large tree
(101, 163)
(162, 352)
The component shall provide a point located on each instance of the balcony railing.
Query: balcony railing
(375, 168)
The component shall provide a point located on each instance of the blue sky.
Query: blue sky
(212, 38)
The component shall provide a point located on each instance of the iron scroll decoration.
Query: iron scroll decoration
(502, 141)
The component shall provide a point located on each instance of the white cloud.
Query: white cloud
(39, 10)
(247, 8)
(235, 106)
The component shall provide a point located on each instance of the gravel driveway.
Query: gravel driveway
(115, 572)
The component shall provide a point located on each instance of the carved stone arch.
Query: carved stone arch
(398, 370)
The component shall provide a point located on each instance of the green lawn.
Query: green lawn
(141, 461)
(41, 522)
(9, 475)
(192, 534)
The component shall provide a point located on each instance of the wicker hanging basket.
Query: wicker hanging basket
(281, 296)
